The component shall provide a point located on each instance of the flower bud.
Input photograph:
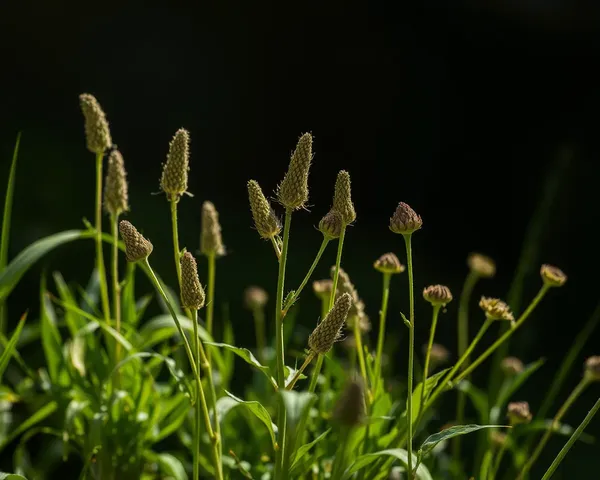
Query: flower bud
(192, 293)
(174, 180)
(115, 186)
(388, 263)
(496, 309)
(255, 298)
(97, 133)
(405, 220)
(518, 412)
(552, 276)
(328, 331)
(211, 242)
(331, 225)
(136, 246)
(342, 198)
(293, 190)
(322, 288)
(511, 366)
(265, 221)
(592, 369)
(437, 295)
(481, 265)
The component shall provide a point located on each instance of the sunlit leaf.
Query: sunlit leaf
(399, 453)
(303, 450)
(430, 384)
(451, 432)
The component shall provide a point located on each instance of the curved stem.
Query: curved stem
(116, 287)
(381, 336)
(434, 319)
(99, 251)
(175, 231)
(360, 353)
(411, 350)
(276, 248)
(290, 386)
(210, 294)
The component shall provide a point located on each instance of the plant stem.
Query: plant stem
(276, 248)
(175, 231)
(360, 352)
(279, 473)
(309, 359)
(340, 456)
(578, 390)
(99, 251)
(259, 329)
(198, 409)
(498, 460)
(381, 336)
(210, 295)
(434, 319)
(411, 350)
(116, 287)
(561, 455)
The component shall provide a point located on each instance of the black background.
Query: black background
(460, 111)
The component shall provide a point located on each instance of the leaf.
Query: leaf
(477, 397)
(431, 441)
(560, 429)
(51, 340)
(297, 405)
(11, 476)
(260, 412)
(37, 417)
(171, 466)
(304, 449)
(171, 422)
(399, 453)
(31, 254)
(430, 384)
(11, 346)
(8, 200)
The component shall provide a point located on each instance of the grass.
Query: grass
(126, 395)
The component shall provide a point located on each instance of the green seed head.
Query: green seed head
(342, 198)
(329, 330)
(115, 186)
(518, 412)
(592, 369)
(388, 263)
(211, 242)
(331, 225)
(265, 221)
(136, 246)
(97, 133)
(405, 220)
(512, 366)
(481, 265)
(255, 298)
(552, 276)
(293, 190)
(437, 295)
(174, 180)
(350, 409)
(496, 309)
(192, 293)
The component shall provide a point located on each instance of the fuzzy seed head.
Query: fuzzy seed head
(496, 309)
(342, 198)
(192, 293)
(174, 180)
(552, 276)
(592, 369)
(328, 331)
(350, 409)
(331, 225)
(115, 186)
(97, 133)
(266, 223)
(512, 366)
(211, 242)
(322, 288)
(255, 298)
(388, 263)
(293, 190)
(437, 295)
(518, 412)
(136, 246)
(439, 355)
(357, 311)
(482, 265)
(405, 220)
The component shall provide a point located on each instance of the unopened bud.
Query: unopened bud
(592, 369)
(331, 225)
(496, 309)
(136, 246)
(255, 298)
(518, 412)
(342, 198)
(328, 331)
(293, 190)
(192, 293)
(174, 180)
(405, 220)
(512, 366)
(388, 263)
(552, 276)
(97, 133)
(211, 242)
(115, 186)
(265, 221)
(437, 295)
(482, 265)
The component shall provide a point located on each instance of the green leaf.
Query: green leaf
(430, 384)
(399, 453)
(171, 422)
(11, 346)
(51, 340)
(171, 466)
(297, 405)
(260, 412)
(8, 200)
(11, 476)
(303, 450)
(477, 397)
(448, 433)
(31, 254)
(37, 417)
(560, 429)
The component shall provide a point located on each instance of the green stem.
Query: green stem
(411, 350)
(175, 231)
(276, 248)
(339, 465)
(198, 409)
(309, 359)
(259, 329)
(577, 391)
(498, 460)
(210, 293)
(279, 473)
(381, 336)
(434, 319)
(561, 455)
(360, 353)
(116, 287)
(99, 251)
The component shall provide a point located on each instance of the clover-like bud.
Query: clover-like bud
(115, 186)
(405, 220)
(331, 225)
(496, 309)
(350, 409)
(136, 246)
(552, 276)
(293, 190)
(481, 265)
(328, 331)
(97, 133)
(211, 242)
(174, 180)
(388, 263)
(255, 297)
(437, 295)
(266, 223)
(192, 293)
(342, 198)
(322, 288)
(518, 412)
(592, 369)
(511, 366)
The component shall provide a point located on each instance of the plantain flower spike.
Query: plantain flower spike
(265, 221)
(342, 198)
(97, 133)
(192, 293)
(331, 225)
(437, 295)
(329, 330)
(115, 186)
(552, 276)
(174, 180)
(211, 242)
(388, 263)
(293, 190)
(405, 220)
(136, 246)
(481, 265)
(350, 409)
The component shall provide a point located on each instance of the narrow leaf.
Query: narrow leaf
(37, 417)
(304, 449)
(430, 384)
(8, 200)
(448, 433)
(399, 453)
(11, 346)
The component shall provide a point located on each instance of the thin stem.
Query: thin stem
(210, 294)
(290, 386)
(411, 350)
(381, 336)
(116, 287)
(308, 274)
(175, 231)
(259, 329)
(434, 319)
(498, 460)
(279, 473)
(276, 247)
(99, 251)
(360, 350)
(577, 391)
(198, 409)
(506, 335)
(340, 456)
(561, 455)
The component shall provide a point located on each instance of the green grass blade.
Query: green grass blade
(11, 346)
(37, 417)
(51, 339)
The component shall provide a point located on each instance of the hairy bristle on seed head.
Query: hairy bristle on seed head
(97, 133)
(293, 190)
(512, 366)
(405, 220)
(350, 409)
(518, 412)
(137, 247)
(437, 295)
(328, 331)
(192, 293)
(331, 225)
(481, 265)
(174, 180)
(211, 242)
(255, 297)
(552, 276)
(266, 223)
(115, 186)
(496, 309)
(592, 369)
(342, 198)
(388, 263)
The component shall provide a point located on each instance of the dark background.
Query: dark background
(460, 111)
